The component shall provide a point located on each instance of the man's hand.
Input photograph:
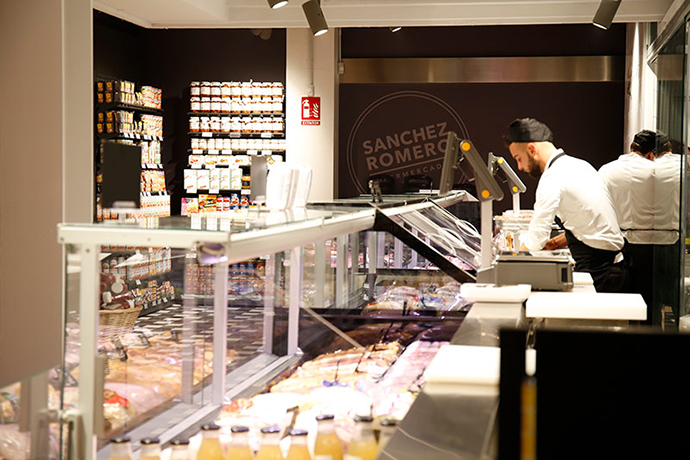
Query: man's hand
(557, 242)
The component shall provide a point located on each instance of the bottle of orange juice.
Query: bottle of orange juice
(210, 448)
(298, 446)
(327, 445)
(269, 449)
(179, 449)
(363, 444)
(388, 426)
(239, 445)
(121, 448)
(150, 449)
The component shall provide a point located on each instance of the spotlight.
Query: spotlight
(275, 4)
(604, 15)
(314, 14)
(395, 29)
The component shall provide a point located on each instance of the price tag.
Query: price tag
(266, 135)
(226, 152)
(137, 282)
(212, 152)
(211, 223)
(197, 151)
(267, 152)
(246, 191)
(206, 134)
(252, 152)
(196, 166)
(235, 135)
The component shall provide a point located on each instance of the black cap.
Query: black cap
(270, 429)
(528, 130)
(149, 441)
(120, 440)
(180, 442)
(324, 417)
(646, 141)
(389, 422)
(364, 418)
(239, 429)
(210, 427)
(296, 432)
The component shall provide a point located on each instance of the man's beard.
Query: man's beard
(534, 169)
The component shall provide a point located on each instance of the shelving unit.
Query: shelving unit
(135, 118)
(229, 123)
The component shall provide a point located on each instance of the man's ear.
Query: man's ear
(532, 150)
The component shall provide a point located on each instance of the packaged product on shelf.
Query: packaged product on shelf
(205, 104)
(224, 160)
(225, 178)
(205, 88)
(186, 206)
(195, 161)
(202, 179)
(195, 88)
(214, 180)
(190, 180)
(210, 161)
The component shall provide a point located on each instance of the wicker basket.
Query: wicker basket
(120, 318)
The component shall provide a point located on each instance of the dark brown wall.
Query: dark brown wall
(587, 118)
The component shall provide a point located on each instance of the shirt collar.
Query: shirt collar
(553, 157)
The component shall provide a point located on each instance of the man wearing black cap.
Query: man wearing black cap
(630, 180)
(571, 191)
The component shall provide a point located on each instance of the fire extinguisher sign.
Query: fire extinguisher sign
(311, 110)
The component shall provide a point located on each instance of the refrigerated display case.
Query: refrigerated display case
(364, 287)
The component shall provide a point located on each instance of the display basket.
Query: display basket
(120, 318)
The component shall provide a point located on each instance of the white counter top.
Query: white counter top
(586, 305)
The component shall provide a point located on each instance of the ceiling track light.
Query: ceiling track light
(315, 17)
(275, 4)
(395, 29)
(605, 13)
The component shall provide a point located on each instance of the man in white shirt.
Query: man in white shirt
(645, 190)
(570, 191)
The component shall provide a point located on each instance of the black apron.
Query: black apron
(599, 263)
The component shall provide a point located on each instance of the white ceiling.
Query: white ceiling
(364, 13)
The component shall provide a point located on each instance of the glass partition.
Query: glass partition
(670, 67)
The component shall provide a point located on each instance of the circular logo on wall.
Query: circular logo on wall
(400, 135)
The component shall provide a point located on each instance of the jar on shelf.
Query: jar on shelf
(195, 143)
(225, 104)
(194, 126)
(246, 89)
(225, 89)
(195, 103)
(205, 124)
(246, 106)
(276, 88)
(235, 104)
(215, 124)
(215, 89)
(225, 125)
(211, 144)
(195, 89)
(235, 89)
(227, 142)
(277, 105)
(203, 144)
(205, 89)
(235, 125)
(216, 102)
(205, 104)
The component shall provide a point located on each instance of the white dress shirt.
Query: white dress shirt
(630, 181)
(667, 198)
(646, 196)
(571, 189)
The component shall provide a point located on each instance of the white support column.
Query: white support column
(296, 267)
(90, 395)
(320, 274)
(269, 302)
(220, 332)
(487, 232)
(311, 63)
(341, 271)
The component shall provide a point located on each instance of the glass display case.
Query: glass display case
(332, 308)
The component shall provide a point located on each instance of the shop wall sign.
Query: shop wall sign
(311, 110)
(400, 134)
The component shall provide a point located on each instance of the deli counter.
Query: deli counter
(331, 309)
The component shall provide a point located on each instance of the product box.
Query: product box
(190, 180)
(214, 180)
(211, 161)
(196, 161)
(225, 178)
(203, 177)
